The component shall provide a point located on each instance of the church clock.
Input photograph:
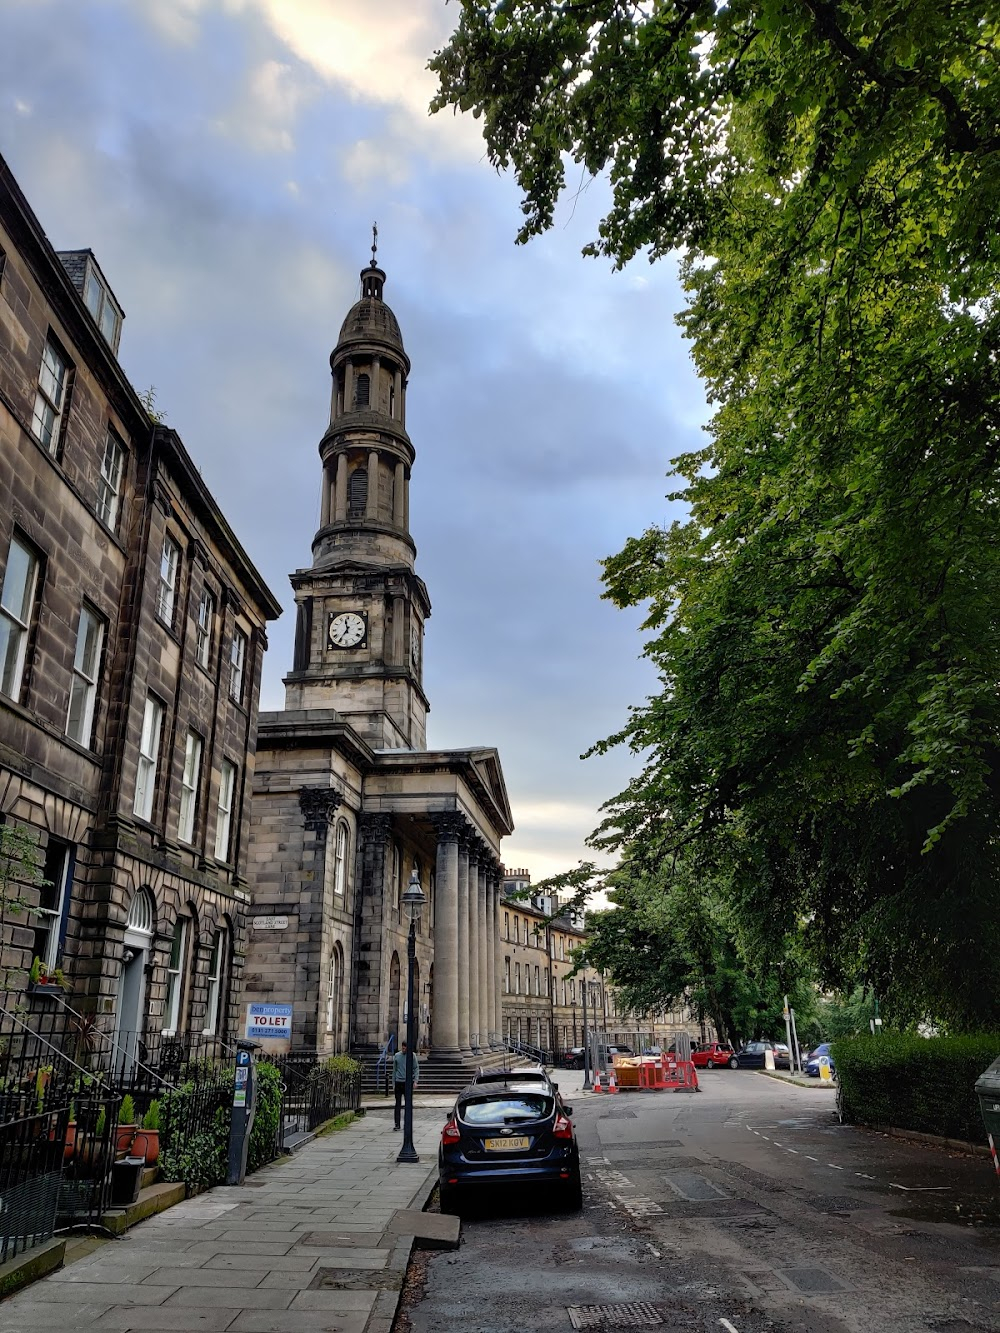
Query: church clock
(348, 629)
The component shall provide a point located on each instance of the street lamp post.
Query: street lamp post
(413, 901)
(587, 1085)
(573, 1007)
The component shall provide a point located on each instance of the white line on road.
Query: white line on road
(920, 1189)
(811, 1157)
(731, 1328)
(794, 1150)
(835, 1166)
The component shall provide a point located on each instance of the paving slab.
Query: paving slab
(252, 1258)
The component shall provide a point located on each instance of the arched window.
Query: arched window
(357, 492)
(140, 914)
(216, 988)
(362, 391)
(176, 973)
(340, 860)
(335, 997)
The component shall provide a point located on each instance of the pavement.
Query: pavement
(305, 1244)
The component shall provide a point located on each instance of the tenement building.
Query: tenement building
(132, 627)
(348, 800)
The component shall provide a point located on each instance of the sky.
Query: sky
(225, 160)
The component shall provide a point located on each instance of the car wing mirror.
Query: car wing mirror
(567, 1109)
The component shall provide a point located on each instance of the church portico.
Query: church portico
(347, 799)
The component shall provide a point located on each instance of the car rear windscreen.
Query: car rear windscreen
(506, 1110)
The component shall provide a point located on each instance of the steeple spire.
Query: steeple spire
(374, 243)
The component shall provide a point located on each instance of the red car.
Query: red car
(712, 1054)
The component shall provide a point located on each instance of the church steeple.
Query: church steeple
(361, 606)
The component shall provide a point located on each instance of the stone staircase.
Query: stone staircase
(440, 1075)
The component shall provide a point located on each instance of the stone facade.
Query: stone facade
(126, 727)
(331, 932)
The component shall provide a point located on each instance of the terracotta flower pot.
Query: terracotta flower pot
(69, 1147)
(124, 1135)
(147, 1142)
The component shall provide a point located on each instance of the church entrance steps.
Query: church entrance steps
(439, 1074)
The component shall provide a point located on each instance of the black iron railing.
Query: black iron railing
(312, 1093)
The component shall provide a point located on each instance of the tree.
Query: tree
(825, 740)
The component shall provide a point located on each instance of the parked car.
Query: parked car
(751, 1056)
(813, 1058)
(572, 1059)
(512, 1135)
(619, 1050)
(712, 1054)
(531, 1074)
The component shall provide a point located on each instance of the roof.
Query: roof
(370, 320)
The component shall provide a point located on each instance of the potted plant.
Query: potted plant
(69, 1147)
(43, 981)
(127, 1125)
(147, 1139)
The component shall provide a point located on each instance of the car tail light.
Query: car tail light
(563, 1128)
(451, 1132)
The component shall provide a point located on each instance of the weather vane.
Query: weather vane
(374, 241)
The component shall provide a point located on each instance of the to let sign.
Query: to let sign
(269, 1022)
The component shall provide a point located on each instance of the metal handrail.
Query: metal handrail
(382, 1063)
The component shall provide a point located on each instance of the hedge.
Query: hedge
(919, 1083)
(195, 1146)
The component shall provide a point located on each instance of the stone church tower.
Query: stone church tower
(347, 799)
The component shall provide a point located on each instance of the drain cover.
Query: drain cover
(637, 1314)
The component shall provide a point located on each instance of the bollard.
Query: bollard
(244, 1106)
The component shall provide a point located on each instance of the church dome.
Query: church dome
(370, 319)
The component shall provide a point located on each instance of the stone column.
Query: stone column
(463, 944)
(495, 884)
(324, 504)
(397, 384)
(340, 493)
(349, 387)
(369, 1007)
(374, 393)
(485, 1015)
(445, 996)
(493, 948)
(475, 1031)
(371, 508)
(399, 482)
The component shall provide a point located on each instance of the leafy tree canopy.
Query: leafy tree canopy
(824, 744)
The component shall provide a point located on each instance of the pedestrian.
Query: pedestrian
(399, 1078)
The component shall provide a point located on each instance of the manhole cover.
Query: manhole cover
(356, 1279)
(811, 1281)
(637, 1314)
(619, 1115)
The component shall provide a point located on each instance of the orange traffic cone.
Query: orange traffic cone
(612, 1081)
(597, 1081)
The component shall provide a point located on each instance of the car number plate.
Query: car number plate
(506, 1145)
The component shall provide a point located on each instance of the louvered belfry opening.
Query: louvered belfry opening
(357, 493)
(362, 391)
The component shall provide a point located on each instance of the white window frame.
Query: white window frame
(340, 854)
(190, 777)
(237, 665)
(216, 963)
(175, 976)
(204, 628)
(16, 618)
(109, 485)
(86, 667)
(224, 811)
(166, 589)
(101, 306)
(517, 978)
(396, 879)
(50, 396)
(149, 756)
(331, 999)
(506, 976)
(49, 956)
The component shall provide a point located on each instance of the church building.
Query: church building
(348, 800)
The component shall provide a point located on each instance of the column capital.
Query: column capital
(318, 806)
(375, 827)
(451, 826)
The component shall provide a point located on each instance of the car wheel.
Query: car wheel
(449, 1200)
(572, 1198)
(733, 1062)
(709, 1064)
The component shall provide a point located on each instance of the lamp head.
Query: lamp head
(413, 897)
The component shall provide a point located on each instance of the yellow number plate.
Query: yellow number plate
(506, 1145)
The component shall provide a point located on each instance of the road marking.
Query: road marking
(921, 1189)
(835, 1166)
(811, 1157)
(731, 1328)
(794, 1150)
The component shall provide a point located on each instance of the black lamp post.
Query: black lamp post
(413, 901)
(587, 1085)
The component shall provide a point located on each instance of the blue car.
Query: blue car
(812, 1059)
(511, 1135)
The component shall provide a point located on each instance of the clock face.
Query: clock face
(347, 630)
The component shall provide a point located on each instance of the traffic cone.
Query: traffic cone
(612, 1081)
(597, 1081)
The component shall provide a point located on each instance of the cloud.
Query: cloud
(266, 111)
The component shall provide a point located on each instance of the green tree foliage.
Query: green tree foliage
(824, 745)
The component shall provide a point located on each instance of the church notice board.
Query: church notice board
(271, 1025)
